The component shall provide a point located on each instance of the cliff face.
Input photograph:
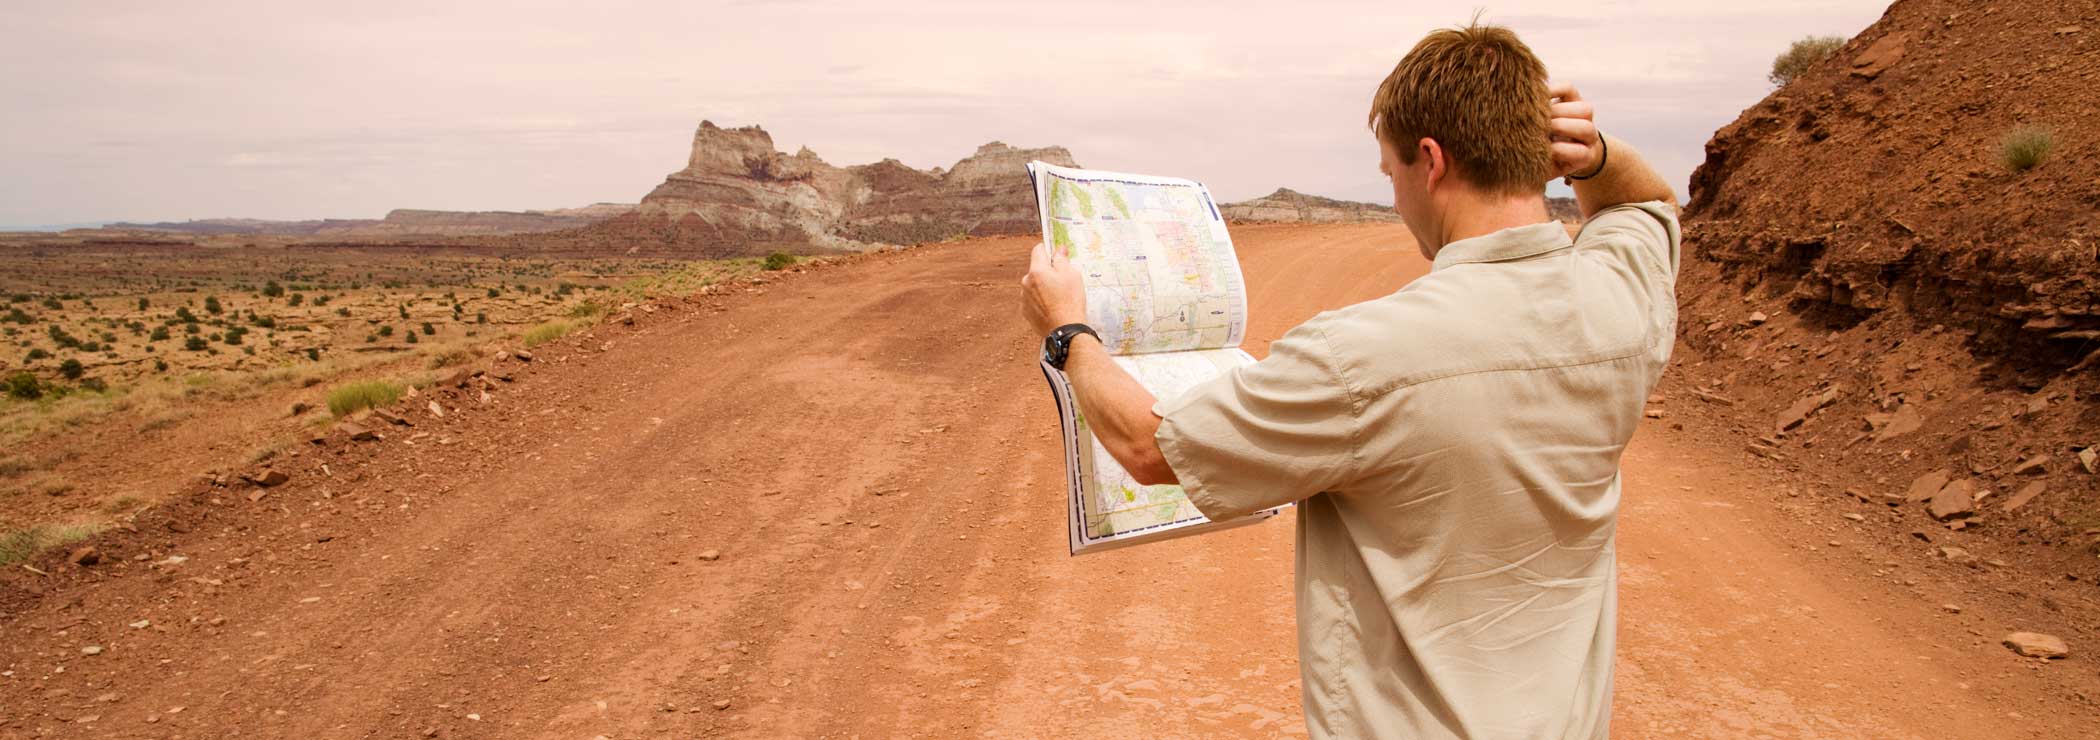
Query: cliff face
(1900, 304)
(1876, 181)
(739, 195)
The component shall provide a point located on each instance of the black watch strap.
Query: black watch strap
(1058, 346)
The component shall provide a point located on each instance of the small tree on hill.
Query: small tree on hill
(1801, 55)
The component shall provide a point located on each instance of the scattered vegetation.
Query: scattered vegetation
(2025, 147)
(547, 332)
(779, 261)
(24, 385)
(1801, 55)
(25, 543)
(363, 394)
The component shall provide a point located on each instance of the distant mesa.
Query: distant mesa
(1287, 206)
(738, 195)
(1290, 206)
(399, 223)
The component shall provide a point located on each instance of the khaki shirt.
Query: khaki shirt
(1455, 451)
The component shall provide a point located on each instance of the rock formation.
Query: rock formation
(1290, 206)
(1877, 181)
(738, 195)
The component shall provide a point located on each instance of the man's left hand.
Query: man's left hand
(1052, 293)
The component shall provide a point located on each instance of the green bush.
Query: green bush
(2025, 147)
(211, 304)
(1802, 55)
(779, 261)
(24, 385)
(363, 394)
(272, 289)
(547, 332)
(196, 344)
(71, 368)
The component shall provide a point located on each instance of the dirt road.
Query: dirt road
(829, 507)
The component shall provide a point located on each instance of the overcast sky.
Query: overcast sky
(167, 111)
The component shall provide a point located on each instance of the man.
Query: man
(1454, 446)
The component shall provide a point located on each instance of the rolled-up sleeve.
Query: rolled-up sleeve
(1265, 434)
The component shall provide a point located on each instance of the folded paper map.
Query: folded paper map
(1163, 288)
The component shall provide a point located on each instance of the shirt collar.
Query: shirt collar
(1513, 243)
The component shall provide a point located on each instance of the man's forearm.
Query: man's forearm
(1118, 409)
(1626, 178)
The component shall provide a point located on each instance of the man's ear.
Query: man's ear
(1433, 153)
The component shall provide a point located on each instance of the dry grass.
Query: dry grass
(22, 544)
(363, 394)
(2025, 147)
(547, 332)
(40, 484)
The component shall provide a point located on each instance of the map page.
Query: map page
(1163, 288)
(1160, 272)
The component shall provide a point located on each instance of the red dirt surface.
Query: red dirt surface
(1858, 234)
(830, 506)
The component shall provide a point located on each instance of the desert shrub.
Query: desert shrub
(410, 337)
(493, 292)
(779, 261)
(71, 368)
(586, 309)
(428, 329)
(183, 313)
(160, 365)
(196, 344)
(363, 394)
(480, 317)
(313, 353)
(386, 331)
(24, 385)
(451, 357)
(547, 332)
(25, 543)
(1801, 55)
(61, 337)
(211, 305)
(53, 304)
(143, 304)
(35, 354)
(2025, 147)
(272, 289)
(18, 316)
(296, 299)
(160, 334)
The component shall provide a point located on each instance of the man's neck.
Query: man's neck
(1472, 216)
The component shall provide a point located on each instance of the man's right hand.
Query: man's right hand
(1576, 143)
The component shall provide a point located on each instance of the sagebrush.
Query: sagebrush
(1801, 55)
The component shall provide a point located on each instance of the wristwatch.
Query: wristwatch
(1059, 343)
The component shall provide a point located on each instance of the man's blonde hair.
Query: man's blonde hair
(1481, 94)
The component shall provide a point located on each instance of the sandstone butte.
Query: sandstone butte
(736, 189)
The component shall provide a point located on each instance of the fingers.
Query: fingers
(1039, 257)
(1574, 109)
(1570, 157)
(1578, 130)
(1563, 91)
